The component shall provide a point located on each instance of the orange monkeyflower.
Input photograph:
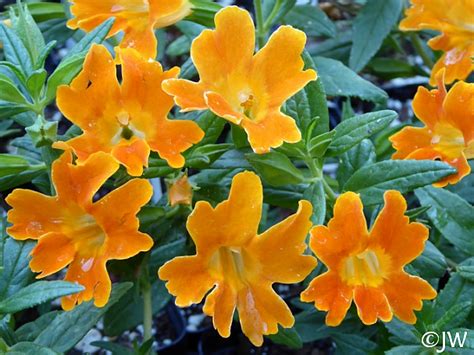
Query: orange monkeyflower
(367, 267)
(136, 18)
(455, 21)
(74, 231)
(246, 89)
(128, 119)
(238, 264)
(180, 192)
(449, 128)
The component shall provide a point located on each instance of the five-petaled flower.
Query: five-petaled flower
(136, 18)
(368, 267)
(246, 89)
(126, 120)
(240, 265)
(455, 21)
(448, 134)
(74, 231)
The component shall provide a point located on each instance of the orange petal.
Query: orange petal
(180, 192)
(456, 62)
(427, 105)
(140, 36)
(166, 13)
(218, 104)
(461, 165)
(228, 48)
(405, 294)
(85, 145)
(79, 101)
(339, 239)
(329, 293)
(459, 108)
(233, 221)
(279, 250)
(371, 304)
(409, 139)
(220, 305)
(33, 214)
(187, 279)
(92, 274)
(79, 183)
(392, 231)
(271, 132)
(53, 252)
(260, 311)
(187, 94)
(173, 138)
(278, 66)
(133, 154)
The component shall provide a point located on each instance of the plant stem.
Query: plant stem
(329, 191)
(147, 312)
(416, 41)
(317, 173)
(260, 25)
(271, 17)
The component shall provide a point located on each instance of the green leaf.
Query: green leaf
(404, 175)
(311, 20)
(12, 164)
(71, 64)
(211, 125)
(339, 80)
(454, 317)
(202, 156)
(16, 272)
(318, 145)
(403, 333)
(309, 105)
(275, 168)
(361, 155)
(35, 82)
(467, 271)
(409, 350)
(315, 194)
(371, 26)
(14, 49)
(451, 215)
(70, 327)
(353, 344)
(431, 263)
(28, 31)
(288, 337)
(37, 293)
(353, 130)
(29, 331)
(27, 348)
(10, 93)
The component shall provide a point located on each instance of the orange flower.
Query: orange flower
(368, 266)
(455, 21)
(243, 88)
(449, 128)
(136, 18)
(180, 192)
(240, 265)
(125, 120)
(73, 230)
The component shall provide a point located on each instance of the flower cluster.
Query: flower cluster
(122, 102)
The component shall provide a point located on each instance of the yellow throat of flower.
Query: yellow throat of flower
(368, 268)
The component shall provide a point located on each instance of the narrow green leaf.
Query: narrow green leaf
(371, 26)
(29, 331)
(14, 49)
(16, 272)
(27, 348)
(12, 164)
(318, 145)
(275, 168)
(288, 337)
(315, 194)
(404, 175)
(37, 293)
(431, 263)
(97, 35)
(10, 93)
(361, 155)
(312, 20)
(70, 327)
(36, 82)
(339, 80)
(353, 130)
(451, 215)
(454, 317)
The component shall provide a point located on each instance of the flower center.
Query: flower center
(127, 131)
(247, 102)
(368, 268)
(88, 236)
(448, 139)
(229, 263)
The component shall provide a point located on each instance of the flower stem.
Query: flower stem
(271, 17)
(416, 41)
(260, 24)
(329, 191)
(147, 312)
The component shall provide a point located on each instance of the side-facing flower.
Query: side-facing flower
(368, 267)
(455, 21)
(246, 89)
(75, 232)
(238, 264)
(180, 191)
(449, 128)
(126, 120)
(136, 18)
